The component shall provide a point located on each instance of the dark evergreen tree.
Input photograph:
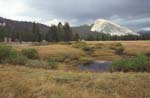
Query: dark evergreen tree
(76, 37)
(67, 32)
(60, 32)
(49, 35)
(36, 32)
(54, 33)
(2, 33)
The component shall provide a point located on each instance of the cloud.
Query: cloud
(132, 22)
(145, 29)
(131, 13)
(11, 8)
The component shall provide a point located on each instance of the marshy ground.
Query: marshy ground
(17, 81)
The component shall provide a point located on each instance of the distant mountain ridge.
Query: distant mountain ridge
(21, 26)
(83, 29)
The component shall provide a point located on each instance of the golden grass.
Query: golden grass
(131, 47)
(54, 50)
(22, 82)
(58, 49)
(105, 54)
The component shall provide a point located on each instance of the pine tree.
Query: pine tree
(54, 33)
(76, 37)
(36, 33)
(67, 32)
(2, 33)
(49, 35)
(60, 32)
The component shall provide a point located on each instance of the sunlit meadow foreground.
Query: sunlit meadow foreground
(51, 71)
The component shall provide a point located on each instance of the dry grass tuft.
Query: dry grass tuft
(22, 82)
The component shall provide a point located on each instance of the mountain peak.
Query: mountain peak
(108, 27)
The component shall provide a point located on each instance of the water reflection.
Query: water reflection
(96, 66)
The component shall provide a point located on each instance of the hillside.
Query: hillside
(21, 26)
(81, 29)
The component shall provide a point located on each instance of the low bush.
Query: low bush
(140, 63)
(9, 55)
(118, 47)
(88, 50)
(80, 45)
(30, 53)
(6, 52)
(52, 64)
(17, 60)
(119, 50)
(84, 46)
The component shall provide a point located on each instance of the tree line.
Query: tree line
(55, 33)
(60, 32)
(95, 36)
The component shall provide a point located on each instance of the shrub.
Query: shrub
(80, 45)
(84, 46)
(119, 48)
(17, 60)
(119, 44)
(6, 52)
(52, 64)
(88, 50)
(30, 53)
(140, 63)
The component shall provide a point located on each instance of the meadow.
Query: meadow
(64, 80)
(24, 82)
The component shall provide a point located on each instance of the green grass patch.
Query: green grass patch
(10, 55)
(85, 60)
(17, 60)
(30, 53)
(6, 52)
(141, 63)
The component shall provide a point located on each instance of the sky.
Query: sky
(134, 14)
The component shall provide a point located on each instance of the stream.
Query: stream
(96, 66)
